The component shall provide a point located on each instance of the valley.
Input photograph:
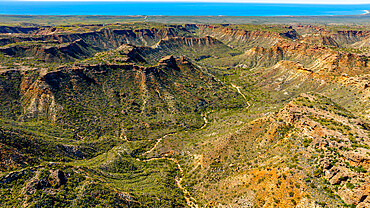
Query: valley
(149, 114)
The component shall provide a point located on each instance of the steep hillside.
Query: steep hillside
(51, 51)
(245, 39)
(196, 48)
(104, 38)
(310, 153)
(191, 47)
(350, 37)
(315, 58)
(10, 29)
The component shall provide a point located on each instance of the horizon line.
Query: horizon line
(314, 2)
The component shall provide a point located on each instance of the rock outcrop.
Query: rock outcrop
(317, 59)
(244, 39)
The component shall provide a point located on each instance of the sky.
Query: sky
(245, 1)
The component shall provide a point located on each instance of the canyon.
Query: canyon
(150, 114)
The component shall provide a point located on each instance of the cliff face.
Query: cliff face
(307, 64)
(289, 78)
(342, 37)
(52, 51)
(187, 42)
(313, 57)
(196, 48)
(270, 47)
(245, 40)
(192, 47)
(319, 40)
(103, 38)
(68, 47)
(39, 100)
(349, 36)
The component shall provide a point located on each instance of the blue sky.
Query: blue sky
(246, 1)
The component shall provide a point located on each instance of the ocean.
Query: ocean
(175, 9)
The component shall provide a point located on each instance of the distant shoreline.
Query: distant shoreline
(50, 20)
(114, 8)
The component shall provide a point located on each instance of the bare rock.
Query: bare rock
(354, 196)
(58, 177)
(338, 178)
(363, 205)
(184, 60)
(338, 175)
(34, 185)
(168, 61)
(359, 157)
(306, 203)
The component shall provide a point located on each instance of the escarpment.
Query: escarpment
(340, 36)
(244, 39)
(197, 48)
(315, 58)
(349, 36)
(104, 38)
(187, 42)
(68, 47)
(319, 40)
(10, 29)
(51, 51)
(192, 47)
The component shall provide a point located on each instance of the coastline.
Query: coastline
(117, 8)
(16, 19)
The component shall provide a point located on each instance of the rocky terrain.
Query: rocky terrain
(194, 115)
